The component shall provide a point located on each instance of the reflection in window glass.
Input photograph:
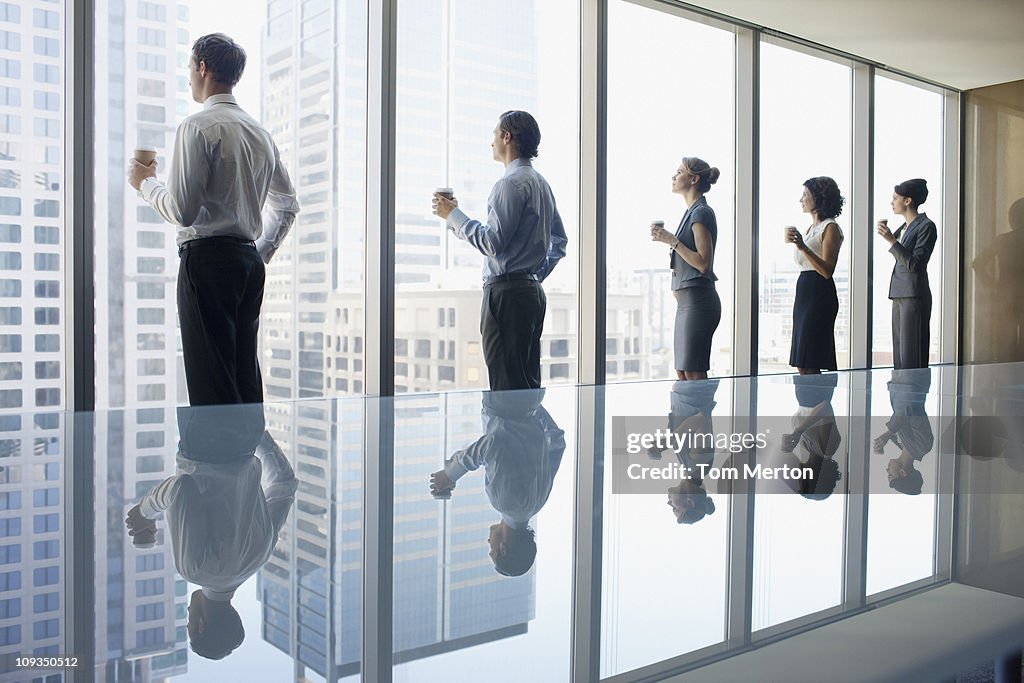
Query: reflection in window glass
(805, 132)
(656, 117)
(908, 144)
(456, 75)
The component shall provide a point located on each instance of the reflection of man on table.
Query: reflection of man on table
(520, 452)
(222, 523)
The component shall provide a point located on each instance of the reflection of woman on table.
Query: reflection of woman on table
(692, 405)
(816, 432)
(909, 429)
(698, 307)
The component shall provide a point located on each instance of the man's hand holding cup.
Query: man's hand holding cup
(444, 202)
(143, 165)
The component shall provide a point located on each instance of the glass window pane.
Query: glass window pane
(456, 75)
(656, 117)
(805, 132)
(908, 144)
(317, 272)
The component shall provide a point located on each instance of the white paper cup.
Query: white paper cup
(144, 155)
(144, 540)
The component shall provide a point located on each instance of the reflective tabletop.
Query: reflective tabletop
(622, 532)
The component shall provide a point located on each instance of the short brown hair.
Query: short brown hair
(224, 58)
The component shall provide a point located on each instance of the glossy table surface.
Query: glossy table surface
(551, 559)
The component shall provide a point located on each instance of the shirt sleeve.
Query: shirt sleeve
(915, 259)
(469, 459)
(280, 212)
(180, 200)
(279, 482)
(504, 208)
(556, 252)
(160, 498)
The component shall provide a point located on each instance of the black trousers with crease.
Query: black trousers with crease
(220, 292)
(511, 323)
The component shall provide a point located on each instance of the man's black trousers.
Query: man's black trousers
(220, 291)
(511, 323)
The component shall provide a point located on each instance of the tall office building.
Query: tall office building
(141, 95)
(141, 601)
(455, 75)
(31, 534)
(139, 98)
(31, 199)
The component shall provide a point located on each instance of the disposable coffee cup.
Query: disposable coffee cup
(884, 221)
(446, 191)
(144, 539)
(145, 155)
(785, 233)
(660, 224)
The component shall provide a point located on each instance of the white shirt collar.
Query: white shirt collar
(218, 99)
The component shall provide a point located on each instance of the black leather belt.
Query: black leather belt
(509, 277)
(210, 241)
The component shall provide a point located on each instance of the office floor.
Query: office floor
(631, 577)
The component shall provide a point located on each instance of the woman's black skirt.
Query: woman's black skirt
(814, 323)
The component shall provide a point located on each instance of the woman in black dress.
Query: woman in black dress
(698, 308)
(817, 253)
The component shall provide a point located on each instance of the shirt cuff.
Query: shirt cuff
(147, 510)
(454, 469)
(147, 187)
(515, 523)
(265, 249)
(456, 219)
(218, 596)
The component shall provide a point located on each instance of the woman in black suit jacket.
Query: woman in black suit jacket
(911, 246)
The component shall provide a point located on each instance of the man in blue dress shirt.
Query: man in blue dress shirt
(522, 239)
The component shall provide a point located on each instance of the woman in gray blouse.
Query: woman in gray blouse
(698, 308)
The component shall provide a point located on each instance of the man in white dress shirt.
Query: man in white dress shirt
(225, 168)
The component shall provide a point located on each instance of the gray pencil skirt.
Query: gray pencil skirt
(698, 312)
